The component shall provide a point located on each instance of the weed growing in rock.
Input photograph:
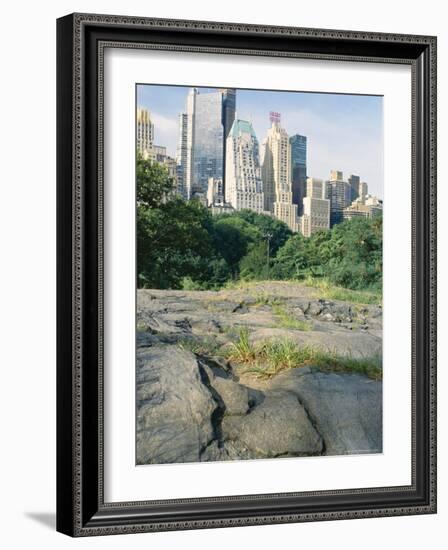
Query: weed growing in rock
(141, 326)
(328, 291)
(201, 347)
(286, 320)
(242, 351)
(275, 355)
(264, 299)
(270, 357)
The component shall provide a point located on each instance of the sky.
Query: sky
(344, 131)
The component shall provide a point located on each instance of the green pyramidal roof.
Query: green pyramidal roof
(242, 127)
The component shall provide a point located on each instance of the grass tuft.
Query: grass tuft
(270, 357)
(242, 351)
(204, 347)
(141, 326)
(286, 320)
(264, 299)
(328, 291)
(274, 356)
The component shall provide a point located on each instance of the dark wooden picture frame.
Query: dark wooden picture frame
(81, 509)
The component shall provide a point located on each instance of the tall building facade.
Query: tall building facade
(368, 208)
(181, 155)
(159, 153)
(243, 187)
(215, 192)
(203, 129)
(316, 215)
(208, 140)
(145, 134)
(316, 208)
(363, 190)
(365, 205)
(354, 182)
(228, 116)
(338, 192)
(375, 205)
(276, 174)
(298, 168)
(315, 188)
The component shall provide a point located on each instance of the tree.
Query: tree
(266, 224)
(232, 237)
(254, 264)
(292, 259)
(153, 183)
(355, 253)
(180, 245)
(172, 243)
(349, 255)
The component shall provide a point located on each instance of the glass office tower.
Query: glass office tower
(209, 117)
(298, 168)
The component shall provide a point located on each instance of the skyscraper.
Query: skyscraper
(276, 174)
(203, 129)
(181, 155)
(316, 208)
(338, 192)
(244, 188)
(298, 168)
(316, 215)
(228, 116)
(362, 193)
(315, 188)
(367, 208)
(354, 182)
(145, 134)
(215, 192)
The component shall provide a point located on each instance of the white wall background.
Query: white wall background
(27, 289)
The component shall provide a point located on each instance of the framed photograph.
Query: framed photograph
(246, 274)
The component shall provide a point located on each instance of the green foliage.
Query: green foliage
(242, 351)
(275, 355)
(233, 236)
(187, 283)
(242, 239)
(328, 291)
(180, 245)
(153, 183)
(265, 299)
(286, 320)
(253, 266)
(292, 260)
(278, 230)
(349, 256)
(172, 243)
(272, 356)
(207, 347)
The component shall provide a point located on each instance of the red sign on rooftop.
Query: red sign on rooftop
(274, 116)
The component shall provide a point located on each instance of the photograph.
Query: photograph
(259, 274)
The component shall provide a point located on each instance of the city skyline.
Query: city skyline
(344, 131)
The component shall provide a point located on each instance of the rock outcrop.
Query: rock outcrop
(189, 411)
(174, 408)
(351, 329)
(195, 407)
(346, 408)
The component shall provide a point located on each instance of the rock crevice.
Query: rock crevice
(190, 410)
(197, 406)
